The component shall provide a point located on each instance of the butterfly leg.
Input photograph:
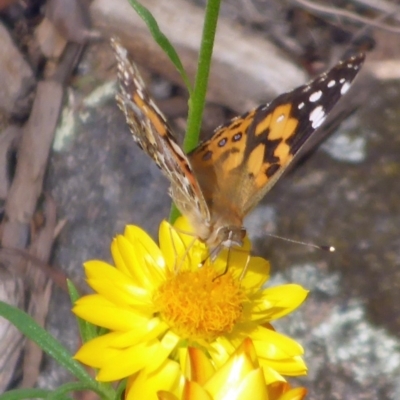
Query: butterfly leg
(181, 258)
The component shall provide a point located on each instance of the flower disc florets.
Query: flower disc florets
(200, 304)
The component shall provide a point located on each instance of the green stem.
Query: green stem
(198, 98)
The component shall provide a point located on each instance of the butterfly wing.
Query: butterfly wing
(245, 157)
(152, 133)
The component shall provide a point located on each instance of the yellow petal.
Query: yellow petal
(270, 374)
(193, 391)
(101, 351)
(273, 345)
(198, 366)
(227, 378)
(294, 394)
(115, 285)
(98, 350)
(145, 385)
(294, 366)
(283, 391)
(92, 268)
(278, 301)
(163, 395)
(252, 387)
(168, 344)
(126, 362)
(125, 258)
(173, 247)
(147, 251)
(147, 269)
(238, 376)
(145, 244)
(100, 311)
(257, 273)
(125, 295)
(220, 350)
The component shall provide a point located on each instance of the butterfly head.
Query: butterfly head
(225, 237)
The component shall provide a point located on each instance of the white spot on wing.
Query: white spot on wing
(177, 149)
(315, 96)
(345, 88)
(280, 118)
(317, 117)
(331, 83)
(301, 105)
(342, 80)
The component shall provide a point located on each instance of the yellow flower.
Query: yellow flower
(157, 300)
(240, 378)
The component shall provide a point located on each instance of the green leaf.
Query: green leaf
(73, 292)
(161, 39)
(87, 330)
(45, 341)
(18, 394)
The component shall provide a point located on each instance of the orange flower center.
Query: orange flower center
(200, 304)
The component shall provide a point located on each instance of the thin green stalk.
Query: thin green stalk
(198, 98)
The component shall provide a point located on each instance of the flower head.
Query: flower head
(159, 300)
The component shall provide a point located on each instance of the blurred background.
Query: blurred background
(71, 176)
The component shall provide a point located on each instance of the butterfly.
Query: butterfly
(217, 184)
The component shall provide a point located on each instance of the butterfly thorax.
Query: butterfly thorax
(219, 232)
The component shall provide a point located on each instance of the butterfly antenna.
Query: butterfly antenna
(331, 249)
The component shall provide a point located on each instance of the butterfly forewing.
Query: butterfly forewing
(246, 156)
(152, 133)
